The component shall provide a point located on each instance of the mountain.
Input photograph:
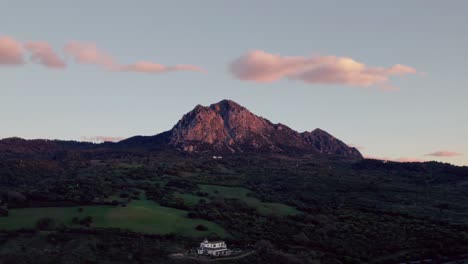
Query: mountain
(229, 127)
(328, 144)
(223, 127)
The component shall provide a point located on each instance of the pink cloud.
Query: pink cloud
(406, 159)
(88, 53)
(399, 69)
(185, 67)
(263, 67)
(43, 53)
(11, 51)
(444, 153)
(402, 159)
(151, 67)
(100, 139)
(356, 146)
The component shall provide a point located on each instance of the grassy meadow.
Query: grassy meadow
(243, 195)
(139, 216)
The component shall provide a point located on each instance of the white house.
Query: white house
(213, 248)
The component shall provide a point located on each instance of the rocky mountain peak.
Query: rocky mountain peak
(227, 105)
(228, 126)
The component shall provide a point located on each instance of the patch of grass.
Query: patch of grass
(242, 194)
(139, 216)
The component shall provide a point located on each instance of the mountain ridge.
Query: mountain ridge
(223, 127)
(227, 126)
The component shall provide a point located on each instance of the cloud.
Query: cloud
(356, 146)
(444, 153)
(151, 67)
(406, 159)
(260, 66)
(43, 53)
(88, 53)
(11, 51)
(402, 159)
(100, 139)
(399, 69)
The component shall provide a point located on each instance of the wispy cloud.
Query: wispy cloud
(89, 53)
(11, 51)
(260, 66)
(356, 146)
(409, 159)
(42, 52)
(443, 153)
(100, 139)
(401, 159)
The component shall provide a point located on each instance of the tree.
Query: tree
(3, 210)
(45, 223)
(86, 221)
(201, 228)
(75, 220)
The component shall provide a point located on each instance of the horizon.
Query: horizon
(393, 88)
(104, 139)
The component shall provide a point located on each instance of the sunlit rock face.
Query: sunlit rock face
(328, 144)
(227, 126)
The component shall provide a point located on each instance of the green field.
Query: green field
(242, 194)
(139, 216)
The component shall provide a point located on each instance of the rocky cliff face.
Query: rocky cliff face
(328, 144)
(227, 126)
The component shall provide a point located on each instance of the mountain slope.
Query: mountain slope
(328, 144)
(229, 127)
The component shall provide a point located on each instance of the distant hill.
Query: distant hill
(18, 147)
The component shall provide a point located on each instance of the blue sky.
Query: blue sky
(427, 114)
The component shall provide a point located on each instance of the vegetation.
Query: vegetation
(139, 206)
(245, 195)
(139, 216)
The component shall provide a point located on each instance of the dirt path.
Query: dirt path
(205, 259)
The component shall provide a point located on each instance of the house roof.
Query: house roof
(213, 242)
